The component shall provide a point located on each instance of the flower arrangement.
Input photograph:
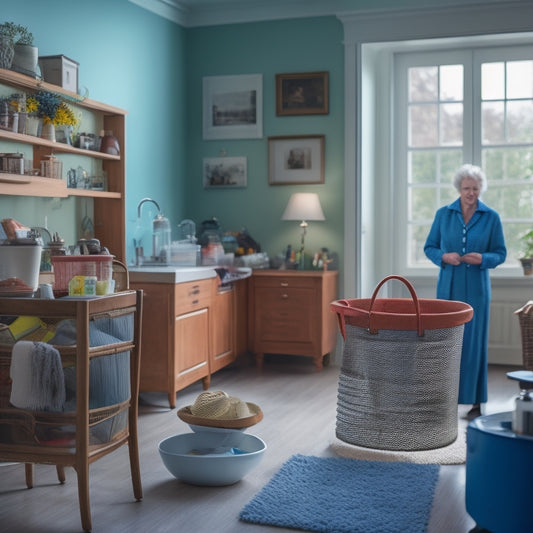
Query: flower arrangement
(52, 110)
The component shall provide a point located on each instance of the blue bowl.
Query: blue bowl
(211, 458)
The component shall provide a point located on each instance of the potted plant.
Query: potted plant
(26, 55)
(7, 44)
(527, 252)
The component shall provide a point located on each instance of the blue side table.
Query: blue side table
(499, 471)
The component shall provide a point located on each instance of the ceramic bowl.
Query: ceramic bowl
(211, 458)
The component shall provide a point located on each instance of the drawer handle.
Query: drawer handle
(194, 302)
(195, 291)
(284, 296)
(284, 284)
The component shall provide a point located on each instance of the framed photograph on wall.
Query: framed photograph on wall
(304, 93)
(221, 172)
(233, 107)
(296, 159)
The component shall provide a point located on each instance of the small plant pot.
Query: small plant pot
(527, 265)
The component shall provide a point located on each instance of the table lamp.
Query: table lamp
(303, 206)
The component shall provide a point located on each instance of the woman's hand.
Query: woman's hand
(472, 258)
(451, 258)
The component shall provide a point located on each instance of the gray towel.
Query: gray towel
(38, 382)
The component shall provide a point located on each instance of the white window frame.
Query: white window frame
(471, 59)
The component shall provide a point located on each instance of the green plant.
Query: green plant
(527, 244)
(19, 34)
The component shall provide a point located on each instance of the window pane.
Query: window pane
(417, 235)
(423, 203)
(492, 81)
(448, 194)
(451, 124)
(450, 161)
(451, 82)
(492, 122)
(423, 167)
(423, 126)
(520, 79)
(423, 83)
(520, 121)
(508, 164)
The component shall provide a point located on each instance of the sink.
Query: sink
(170, 274)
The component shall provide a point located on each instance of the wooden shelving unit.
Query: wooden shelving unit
(109, 205)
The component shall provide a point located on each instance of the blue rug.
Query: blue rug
(339, 495)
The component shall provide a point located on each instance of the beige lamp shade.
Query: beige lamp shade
(303, 206)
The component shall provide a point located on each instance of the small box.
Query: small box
(60, 70)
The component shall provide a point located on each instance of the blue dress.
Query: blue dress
(468, 283)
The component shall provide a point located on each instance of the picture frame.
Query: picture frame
(233, 107)
(296, 159)
(224, 172)
(304, 93)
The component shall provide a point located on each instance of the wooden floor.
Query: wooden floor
(299, 417)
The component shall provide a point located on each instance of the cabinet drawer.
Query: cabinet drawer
(191, 296)
(284, 282)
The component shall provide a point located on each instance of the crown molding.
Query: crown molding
(169, 9)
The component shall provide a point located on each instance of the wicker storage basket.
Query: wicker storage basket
(525, 319)
(399, 378)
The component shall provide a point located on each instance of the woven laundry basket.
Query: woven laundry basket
(399, 379)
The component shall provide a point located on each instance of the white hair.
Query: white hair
(470, 171)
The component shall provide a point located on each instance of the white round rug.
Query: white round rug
(453, 454)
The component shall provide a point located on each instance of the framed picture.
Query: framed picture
(224, 172)
(296, 160)
(303, 93)
(233, 107)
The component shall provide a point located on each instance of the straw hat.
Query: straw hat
(218, 409)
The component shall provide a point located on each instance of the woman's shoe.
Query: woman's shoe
(474, 412)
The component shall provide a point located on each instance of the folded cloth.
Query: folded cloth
(36, 372)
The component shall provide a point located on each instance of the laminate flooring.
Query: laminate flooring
(299, 406)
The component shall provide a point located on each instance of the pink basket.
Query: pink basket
(67, 266)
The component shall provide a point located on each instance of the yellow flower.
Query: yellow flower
(32, 105)
(64, 116)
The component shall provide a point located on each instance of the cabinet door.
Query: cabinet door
(191, 347)
(286, 320)
(222, 330)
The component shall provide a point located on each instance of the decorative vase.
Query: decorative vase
(64, 134)
(23, 117)
(48, 131)
(109, 144)
(33, 126)
(25, 59)
(6, 51)
(527, 265)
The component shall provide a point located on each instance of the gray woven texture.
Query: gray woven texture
(398, 391)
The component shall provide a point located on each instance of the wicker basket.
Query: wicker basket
(399, 379)
(525, 318)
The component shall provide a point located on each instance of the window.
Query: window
(454, 107)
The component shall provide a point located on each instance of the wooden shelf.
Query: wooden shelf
(109, 210)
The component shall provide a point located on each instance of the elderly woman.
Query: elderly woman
(465, 240)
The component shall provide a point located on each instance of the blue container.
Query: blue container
(499, 465)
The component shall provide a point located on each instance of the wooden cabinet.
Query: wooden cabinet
(77, 437)
(175, 336)
(223, 328)
(291, 315)
(109, 217)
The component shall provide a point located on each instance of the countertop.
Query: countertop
(173, 274)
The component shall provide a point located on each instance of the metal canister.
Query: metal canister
(523, 413)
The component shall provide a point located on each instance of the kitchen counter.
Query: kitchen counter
(170, 274)
(173, 274)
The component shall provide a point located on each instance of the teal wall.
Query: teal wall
(129, 58)
(268, 48)
(153, 68)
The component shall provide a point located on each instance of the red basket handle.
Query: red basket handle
(413, 295)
